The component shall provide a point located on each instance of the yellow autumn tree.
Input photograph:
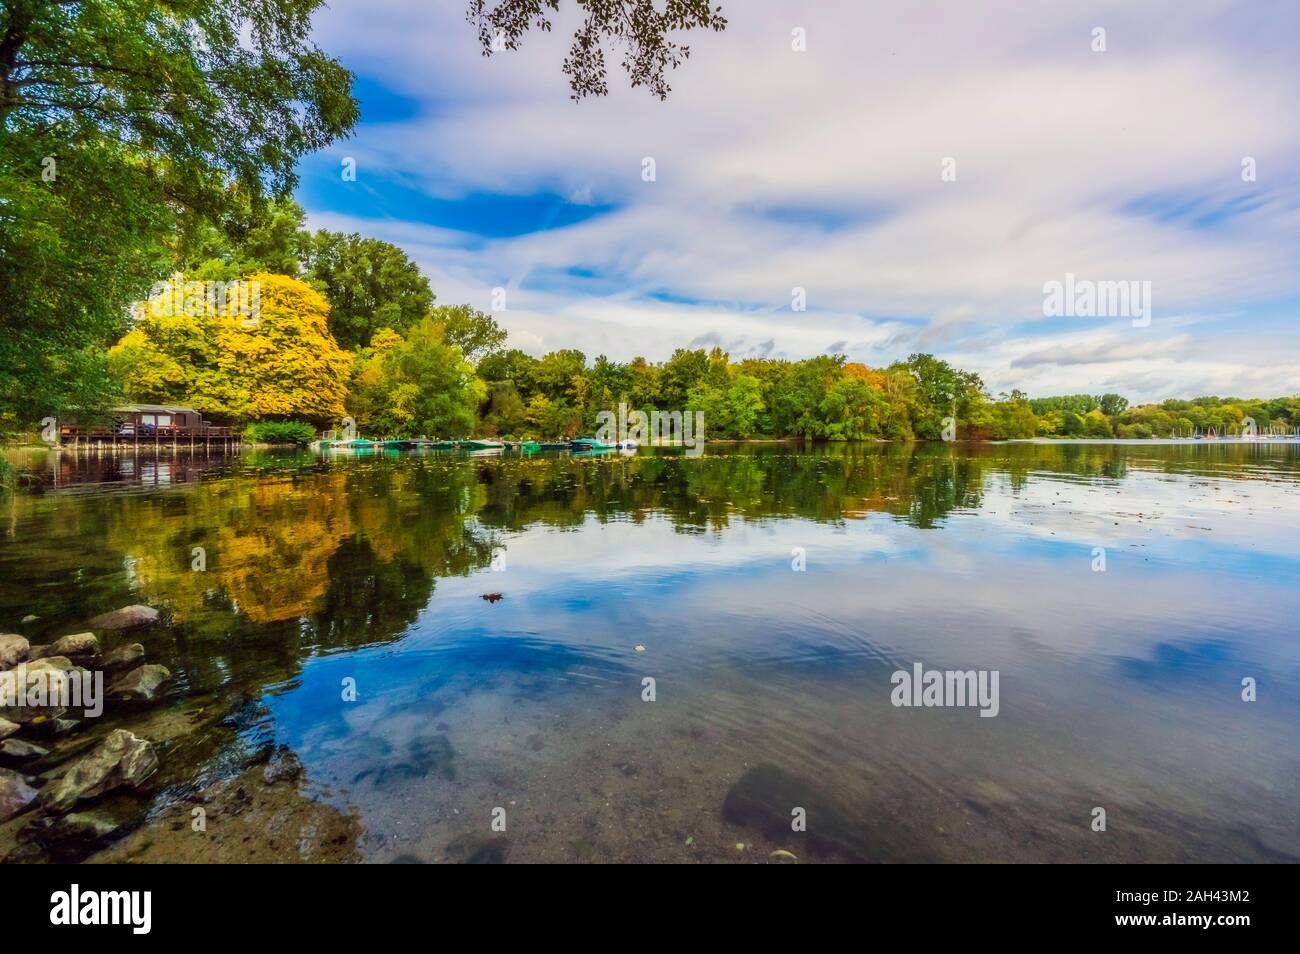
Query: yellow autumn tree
(261, 351)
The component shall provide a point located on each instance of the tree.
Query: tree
(370, 285)
(251, 237)
(476, 333)
(120, 122)
(852, 409)
(797, 403)
(638, 26)
(416, 385)
(1112, 405)
(278, 363)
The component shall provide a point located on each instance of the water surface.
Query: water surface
(1119, 689)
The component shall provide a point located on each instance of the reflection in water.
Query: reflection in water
(1119, 689)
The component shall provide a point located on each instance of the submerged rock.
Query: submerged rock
(478, 849)
(126, 655)
(142, 685)
(13, 650)
(72, 834)
(121, 760)
(7, 728)
(765, 797)
(16, 796)
(128, 617)
(78, 644)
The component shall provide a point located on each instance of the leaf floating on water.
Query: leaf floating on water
(491, 597)
(782, 853)
(740, 846)
(640, 648)
(690, 841)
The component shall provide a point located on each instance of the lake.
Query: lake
(691, 659)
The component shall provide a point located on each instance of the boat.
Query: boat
(548, 446)
(529, 447)
(478, 445)
(590, 444)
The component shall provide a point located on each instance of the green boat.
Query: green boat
(481, 445)
(563, 445)
(590, 444)
(530, 447)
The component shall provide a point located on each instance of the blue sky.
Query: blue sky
(821, 169)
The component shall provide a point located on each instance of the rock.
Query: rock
(121, 657)
(7, 728)
(16, 796)
(34, 715)
(13, 650)
(141, 685)
(48, 676)
(128, 617)
(16, 750)
(72, 834)
(52, 663)
(36, 651)
(120, 761)
(78, 644)
(30, 618)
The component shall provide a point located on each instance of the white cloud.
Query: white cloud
(1067, 161)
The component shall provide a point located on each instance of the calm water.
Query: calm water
(1118, 689)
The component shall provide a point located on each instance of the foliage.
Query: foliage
(415, 385)
(640, 27)
(123, 122)
(283, 364)
(280, 432)
(369, 284)
(476, 334)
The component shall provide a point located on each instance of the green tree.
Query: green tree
(416, 385)
(370, 284)
(476, 333)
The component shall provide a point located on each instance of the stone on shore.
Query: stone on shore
(119, 658)
(121, 761)
(51, 663)
(13, 650)
(7, 728)
(140, 685)
(128, 617)
(16, 796)
(78, 644)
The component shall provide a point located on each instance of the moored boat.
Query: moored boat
(590, 444)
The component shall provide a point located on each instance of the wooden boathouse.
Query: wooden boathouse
(149, 425)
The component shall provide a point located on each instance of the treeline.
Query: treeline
(347, 327)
